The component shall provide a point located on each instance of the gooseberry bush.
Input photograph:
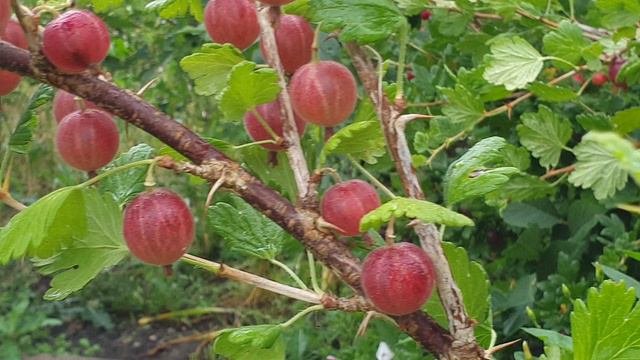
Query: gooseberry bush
(460, 174)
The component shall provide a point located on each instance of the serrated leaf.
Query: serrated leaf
(412, 7)
(276, 174)
(364, 21)
(545, 135)
(125, 185)
(361, 140)
(630, 72)
(513, 62)
(45, 227)
(527, 214)
(20, 140)
(616, 275)
(597, 122)
(210, 67)
(552, 93)
(297, 7)
(425, 211)
(472, 280)
(627, 120)
(607, 326)
(605, 161)
(567, 42)
(619, 13)
(478, 172)
(101, 247)
(248, 88)
(463, 108)
(170, 9)
(552, 338)
(245, 230)
(520, 187)
(258, 342)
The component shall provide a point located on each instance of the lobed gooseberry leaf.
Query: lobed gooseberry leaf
(256, 342)
(413, 209)
(532, 213)
(618, 13)
(520, 187)
(100, 248)
(245, 230)
(473, 281)
(513, 62)
(481, 170)
(560, 345)
(297, 7)
(607, 325)
(567, 42)
(362, 140)
(545, 134)
(125, 185)
(626, 121)
(46, 226)
(276, 174)
(605, 161)
(598, 122)
(412, 7)
(552, 93)
(20, 140)
(364, 21)
(616, 275)
(170, 9)
(210, 67)
(248, 88)
(463, 108)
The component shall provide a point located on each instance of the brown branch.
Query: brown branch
(298, 222)
(556, 172)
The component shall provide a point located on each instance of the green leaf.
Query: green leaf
(513, 62)
(462, 107)
(472, 280)
(45, 227)
(362, 140)
(259, 342)
(105, 5)
(597, 122)
(552, 93)
(412, 7)
(125, 185)
(630, 72)
(245, 230)
(210, 67)
(20, 140)
(545, 134)
(170, 9)
(298, 7)
(364, 21)
(520, 187)
(627, 120)
(413, 209)
(567, 42)
(607, 326)
(619, 13)
(248, 88)
(605, 161)
(101, 247)
(552, 338)
(478, 172)
(276, 174)
(616, 275)
(527, 214)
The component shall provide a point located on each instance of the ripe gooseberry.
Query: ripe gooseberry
(65, 103)
(426, 15)
(398, 279)
(87, 139)
(271, 114)
(75, 41)
(276, 2)
(345, 204)
(232, 21)
(599, 79)
(614, 69)
(158, 227)
(323, 93)
(294, 37)
(5, 14)
(13, 34)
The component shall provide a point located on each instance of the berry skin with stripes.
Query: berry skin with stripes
(294, 37)
(345, 204)
(75, 41)
(13, 34)
(87, 140)
(5, 14)
(65, 103)
(323, 93)
(271, 114)
(398, 279)
(232, 21)
(158, 227)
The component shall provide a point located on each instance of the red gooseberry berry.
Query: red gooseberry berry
(398, 279)
(294, 37)
(426, 15)
(345, 204)
(232, 21)
(65, 103)
(5, 14)
(13, 34)
(599, 79)
(158, 227)
(270, 113)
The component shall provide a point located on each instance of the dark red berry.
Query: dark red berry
(345, 204)
(232, 21)
(294, 37)
(599, 79)
(65, 103)
(426, 15)
(13, 34)
(271, 114)
(410, 75)
(5, 14)
(614, 69)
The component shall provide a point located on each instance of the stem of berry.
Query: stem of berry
(302, 314)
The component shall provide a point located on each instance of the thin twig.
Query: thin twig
(556, 172)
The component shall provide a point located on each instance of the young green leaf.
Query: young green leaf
(545, 134)
(170, 9)
(362, 140)
(552, 338)
(618, 13)
(513, 62)
(20, 140)
(101, 247)
(45, 227)
(462, 107)
(298, 7)
(616, 275)
(413, 209)
(595, 122)
(481, 170)
(412, 7)
(125, 185)
(520, 187)
(248, 88)
(605, 161)
(552, 93)
(245, 230)
(567, 42)
(364, 21)
(210, 67)
(104, 5)
(259, 342)
(607, 326)
(627, 120)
